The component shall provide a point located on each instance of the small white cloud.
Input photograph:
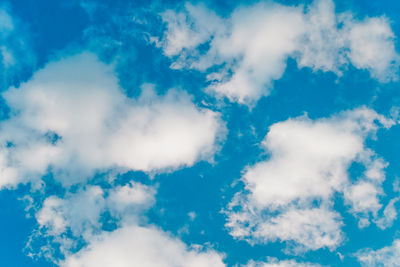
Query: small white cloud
(126, 202)
(389, 214)
(363, 199)
(289, 196)
(388, 256)
(192, 215)
(141, 246)
(79, 213)
(372, 48)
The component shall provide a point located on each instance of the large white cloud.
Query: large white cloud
(72, 119)
(289, 196)
(250, 47)
(388, 256)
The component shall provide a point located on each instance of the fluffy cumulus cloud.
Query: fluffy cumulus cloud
(141, 246)
(388, 256)
(247, 50)
(72, 119)
(15, 53)
(289, 196)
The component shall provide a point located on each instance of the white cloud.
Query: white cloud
(72, 119)
(388, 256)
(141, 246)
(273, 262)
(390, 214)
(363, 198)
(126, 202)
(79, 212)
(205, 24)
(372, 48)
(322, 45)
(250, 47)
(289, 195)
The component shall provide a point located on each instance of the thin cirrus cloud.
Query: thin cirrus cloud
(250, 47)
(289, 196)
(72, 119)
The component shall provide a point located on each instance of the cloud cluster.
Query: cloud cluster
(289, 196)
(247, 50)
(73, 120)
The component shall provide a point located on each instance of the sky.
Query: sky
(199, 133)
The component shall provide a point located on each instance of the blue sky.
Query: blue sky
(203, 133)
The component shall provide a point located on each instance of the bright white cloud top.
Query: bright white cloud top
(289, 196)
(250, 47)
(73, 119)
